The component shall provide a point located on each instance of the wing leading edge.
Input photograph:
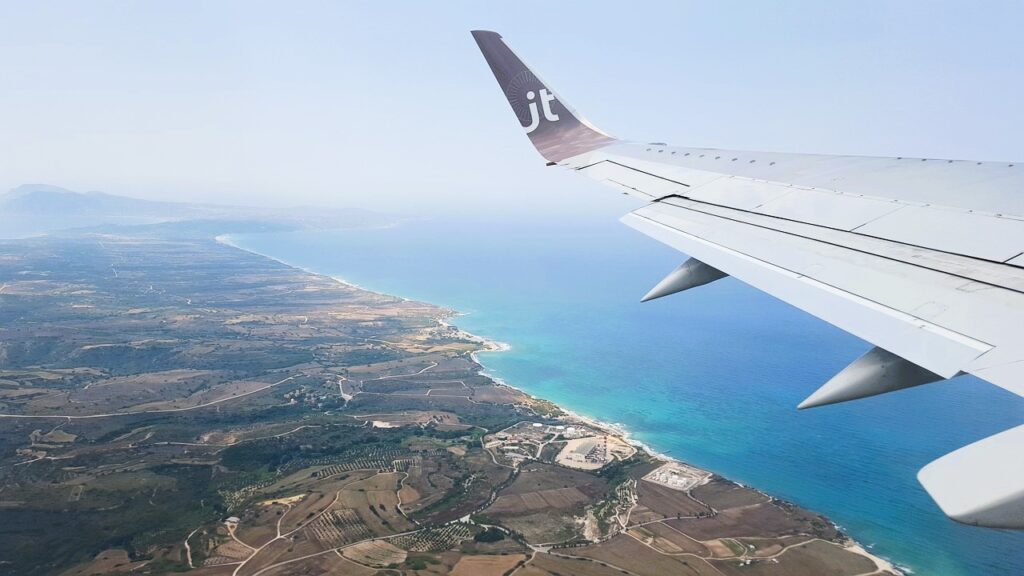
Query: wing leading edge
(921, 257)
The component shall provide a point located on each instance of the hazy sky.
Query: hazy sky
(389, 105)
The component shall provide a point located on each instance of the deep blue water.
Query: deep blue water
(711, 376)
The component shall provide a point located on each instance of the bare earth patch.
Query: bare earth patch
(486, 565)
(377, 553)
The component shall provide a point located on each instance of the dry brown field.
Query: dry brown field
(113, 561)
(536, 477)
(377, 553)
(675, 539)
(722, 547)
(758, 520)
(259, 524)
(267, 556)
(648, 536)
(771, 546)
(231, 550)
(408, 494)
(223, 391)
(225, 570)
(304, 510)
(558, 498)
(640, 514)
(666, 501)
(496, 394)
(378, 492)
(122, 391)
(811, 559)
(550, 565)
(486, 565)
(542, 527)
(325, 564)
(626, 553)
(722, 494)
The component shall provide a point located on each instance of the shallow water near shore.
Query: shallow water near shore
(711, 377)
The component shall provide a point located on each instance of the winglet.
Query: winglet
(555, 129)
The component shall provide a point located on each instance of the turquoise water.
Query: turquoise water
(711, 376)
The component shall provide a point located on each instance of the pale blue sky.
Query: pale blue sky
(389, 105)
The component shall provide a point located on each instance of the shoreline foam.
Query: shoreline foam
(493, 346)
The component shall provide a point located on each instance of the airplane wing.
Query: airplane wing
(922, 257)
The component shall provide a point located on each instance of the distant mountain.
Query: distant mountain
(43, 199)
(33, 209)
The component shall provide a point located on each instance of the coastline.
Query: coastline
(620, 430)
(614, 429)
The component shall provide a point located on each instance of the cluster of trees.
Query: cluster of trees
(491, 534)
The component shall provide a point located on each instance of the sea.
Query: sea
(711, 376)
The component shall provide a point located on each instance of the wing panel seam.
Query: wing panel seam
(844, 246)
(652, 175)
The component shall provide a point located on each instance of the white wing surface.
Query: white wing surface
(922, 257)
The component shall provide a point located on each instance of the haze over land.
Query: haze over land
(32, 209)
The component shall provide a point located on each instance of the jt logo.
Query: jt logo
(545, 102)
